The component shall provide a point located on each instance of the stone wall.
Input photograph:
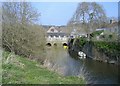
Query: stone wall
(92, 52)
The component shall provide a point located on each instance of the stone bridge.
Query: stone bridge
(56, 37)
(57, 41)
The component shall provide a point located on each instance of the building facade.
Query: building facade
(55, 37)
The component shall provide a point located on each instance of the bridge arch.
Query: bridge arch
(65, 44)
(48, 44)
(55, 44)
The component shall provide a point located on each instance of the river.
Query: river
(94, 72)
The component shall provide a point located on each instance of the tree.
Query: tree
(20, 34)
(119, 31)
(27, 13)
(89, 15)
(0, 26)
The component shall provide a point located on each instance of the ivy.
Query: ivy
(111, 48)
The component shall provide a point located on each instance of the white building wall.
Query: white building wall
(57, 39)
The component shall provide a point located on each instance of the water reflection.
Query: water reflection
(59, 60)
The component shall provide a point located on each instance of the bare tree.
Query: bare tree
(27, 13)
(0, 26)
(20, 34)
(119, 31)
(89, 15)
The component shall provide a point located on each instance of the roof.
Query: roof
(58, 28)
(52, 30)
(57, 34)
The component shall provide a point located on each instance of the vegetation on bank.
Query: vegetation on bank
(20, 70)
(20, 33)
(79, 42)
(96, 33)
(111, 49)
(104, 46)
(107, 45)
(82, 41)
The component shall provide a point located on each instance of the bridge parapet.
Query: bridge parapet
(57, 41)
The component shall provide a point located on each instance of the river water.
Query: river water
(94, 72)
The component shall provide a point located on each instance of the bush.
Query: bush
(27, 41)
(109, 48)
(110, 36)
(20, 34)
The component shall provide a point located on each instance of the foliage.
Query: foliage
(20, 34)
(31, 72)
(96, 33)
(79, 42)
(109, 48)
(82, 41)
(105, 36)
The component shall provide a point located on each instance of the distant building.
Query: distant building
(113, 27)
(52, 30)
(56, 36)
(112, 30)
(75, 33)
(100, 29)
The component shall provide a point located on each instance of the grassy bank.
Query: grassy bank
(20, 70)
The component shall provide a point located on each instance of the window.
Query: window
(52, 30)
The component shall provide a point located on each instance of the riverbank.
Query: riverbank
(111, 51)
(97, 50)
(21, 70)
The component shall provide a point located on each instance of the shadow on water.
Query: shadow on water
(59, 60)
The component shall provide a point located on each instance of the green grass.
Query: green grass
(20, 70)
